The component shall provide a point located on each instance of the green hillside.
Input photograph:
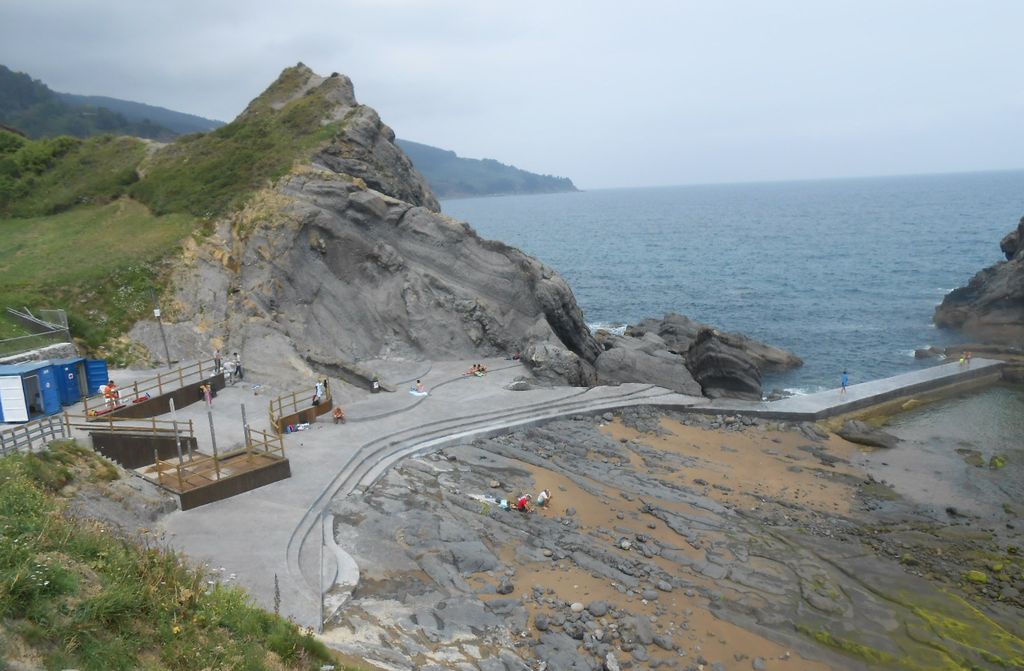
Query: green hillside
(31, 107)
(451, 176)
(178, 122)
(74, 594)
(86, 225)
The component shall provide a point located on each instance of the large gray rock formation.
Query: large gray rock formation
(679, 333)
(644, 359)
(689, 357)
(991, 306)
(347, 259)
(722, 366)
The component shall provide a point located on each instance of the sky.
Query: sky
(610, 94)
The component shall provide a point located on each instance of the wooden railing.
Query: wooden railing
(290, 404)
(173, 474)
(35, 434)
(168, 381)
(116, 424)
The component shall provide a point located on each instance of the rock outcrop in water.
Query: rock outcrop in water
(347, 258)
(991, 306)
(690, 357)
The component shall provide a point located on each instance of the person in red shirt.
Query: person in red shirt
(523, 504)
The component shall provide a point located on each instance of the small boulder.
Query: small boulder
(598, 608)
(858, 432)
(505, 587)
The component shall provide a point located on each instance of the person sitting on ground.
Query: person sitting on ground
(338, 415)
(471, 371)
(543, 498)
(523, 504)
(420, 387)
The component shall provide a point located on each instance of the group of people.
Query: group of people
(477, 369)
(965, 359)
(231, 368)
(524, 503)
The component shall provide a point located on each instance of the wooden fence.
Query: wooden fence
(36, 434)
(297, 407)
(116, 424)
(178, 476)
(168, 381)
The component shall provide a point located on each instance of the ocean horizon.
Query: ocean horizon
(844, 272)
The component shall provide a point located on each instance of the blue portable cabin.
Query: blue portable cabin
(72, 382)
(95, 375)
(28, 391)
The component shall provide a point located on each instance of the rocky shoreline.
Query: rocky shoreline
(672, 541)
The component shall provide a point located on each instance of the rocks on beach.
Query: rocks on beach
(629, 579)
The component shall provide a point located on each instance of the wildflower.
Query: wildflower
(176, 630)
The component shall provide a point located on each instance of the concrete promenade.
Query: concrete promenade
(285, 529)
(812, 407)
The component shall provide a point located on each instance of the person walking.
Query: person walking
(218, 364)
(238, 366)
(845, 381)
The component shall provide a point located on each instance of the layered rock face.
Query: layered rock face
(347, 259)
(991, 306)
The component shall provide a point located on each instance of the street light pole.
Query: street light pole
(159, 322)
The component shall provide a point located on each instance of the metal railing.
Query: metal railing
(36, 434)
(162, 382)
(27, 343)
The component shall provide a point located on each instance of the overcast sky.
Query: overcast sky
(607, 93)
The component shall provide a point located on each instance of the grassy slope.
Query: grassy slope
(65, 241)
(212, 174)
(98, 262)
(73, 594)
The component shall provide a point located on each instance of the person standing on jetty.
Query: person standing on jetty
(218, 364)
(845, 382)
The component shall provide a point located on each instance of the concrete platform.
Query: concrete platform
(812, 407)
(285, 528)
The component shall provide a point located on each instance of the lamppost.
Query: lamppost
(159, 322)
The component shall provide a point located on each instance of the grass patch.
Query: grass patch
(79, 596)
(208, 175)
(71, 260)
(42, 177)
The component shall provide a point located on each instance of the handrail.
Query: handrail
(116, 424)
(41, 430)
(288, 404)
(257, 441)
(172, 379)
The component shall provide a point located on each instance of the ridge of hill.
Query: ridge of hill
(181, 123)
(33, 108)
(453, 176)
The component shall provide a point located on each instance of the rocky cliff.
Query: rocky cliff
(347, 258)
(991, 306)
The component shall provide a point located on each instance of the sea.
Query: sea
(846, 273)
